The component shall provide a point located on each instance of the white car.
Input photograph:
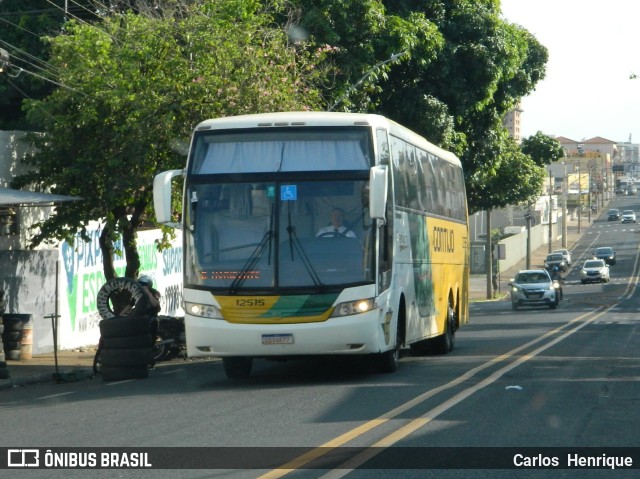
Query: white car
(566, 254)
(533, 287)
(594, 270)
(628, 216)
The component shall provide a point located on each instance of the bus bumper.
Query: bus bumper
(358, 334)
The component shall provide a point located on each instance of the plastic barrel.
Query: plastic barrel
(26, 345)
(18, 324)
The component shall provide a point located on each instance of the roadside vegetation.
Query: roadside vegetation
(119, 85)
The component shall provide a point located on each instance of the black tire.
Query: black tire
(553, 305)
(12, 346)
(445, 343)
(389, 361)
(115, 373)
(162, 350)
(97, 360)
(14, 322)
(126, 357)
(128, 342)
(127, 288)
(124, 326)
(13, 355)
(237, 367)
(12, 336)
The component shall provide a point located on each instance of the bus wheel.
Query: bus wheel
(389, 361)
(446, 341)
(237, 367)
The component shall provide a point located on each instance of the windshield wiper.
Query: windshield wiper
(294, 242)
(253, 259)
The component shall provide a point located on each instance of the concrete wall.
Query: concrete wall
(64, 279)
(515, 248)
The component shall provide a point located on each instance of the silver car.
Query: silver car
(566, 254)
(533, 287)
(594, 270)
(628, 216)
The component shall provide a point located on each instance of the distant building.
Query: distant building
(512, 123)
(590, 148)
(628, 161)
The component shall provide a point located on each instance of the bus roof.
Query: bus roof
(293, 118)
(324, 118)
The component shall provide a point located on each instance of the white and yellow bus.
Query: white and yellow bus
(264, 277)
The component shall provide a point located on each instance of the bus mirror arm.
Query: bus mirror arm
(378, 192)
(162, 197)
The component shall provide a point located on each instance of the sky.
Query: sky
(594, 46)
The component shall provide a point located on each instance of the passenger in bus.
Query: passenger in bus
(336, 227)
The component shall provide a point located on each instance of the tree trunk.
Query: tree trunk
(106, 247)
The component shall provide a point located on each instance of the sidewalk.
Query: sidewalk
(77, 365)
(73, 365)
(478, 291)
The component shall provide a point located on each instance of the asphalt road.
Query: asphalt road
(533, 378)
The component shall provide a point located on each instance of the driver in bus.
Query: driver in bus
(337, 227)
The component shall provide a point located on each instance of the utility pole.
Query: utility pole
(579, 200)
(565, 188)
(550, 211)
(528, 217)
(489, 258)
(589, 193)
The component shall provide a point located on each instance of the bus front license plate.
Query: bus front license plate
(277, 339)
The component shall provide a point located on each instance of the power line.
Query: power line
(47, 66)
(27, 96)
(20, 70)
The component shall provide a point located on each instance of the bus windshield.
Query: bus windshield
(274, 235)
(283, 150)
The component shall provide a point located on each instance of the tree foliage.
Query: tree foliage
(22, 23)
(543, 149)
(145, 72)
(464, 69)
(136, 87)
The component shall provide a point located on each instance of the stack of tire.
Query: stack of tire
(4, 372)
(13, 325)
(125, 350)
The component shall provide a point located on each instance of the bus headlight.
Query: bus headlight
(349, 308)
(203, 310)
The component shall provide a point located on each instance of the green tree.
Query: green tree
(543, 149)
(464, 69)
(135, 86)
(23, 23)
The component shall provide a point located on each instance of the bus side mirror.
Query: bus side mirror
(162, 197)
(378, 192)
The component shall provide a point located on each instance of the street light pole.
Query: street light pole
(579, 200)
(528, 258)
(565, 187)
(589, 193)
(550, 210)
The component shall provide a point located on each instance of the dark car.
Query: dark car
(555, 260)
(614, 214)
(606, 253)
